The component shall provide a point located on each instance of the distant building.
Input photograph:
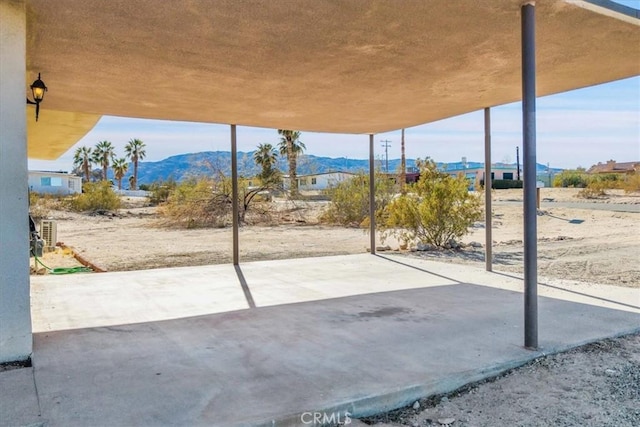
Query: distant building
(475, 175)
(318, 181)
(611, 166)
(60, 183)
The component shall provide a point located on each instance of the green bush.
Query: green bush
(435, 210)
(631, 183)
(159, 190)
(607, 180)
(571, 178)
(349, 200)
(96, 196)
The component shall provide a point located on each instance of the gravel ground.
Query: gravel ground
(594, 385)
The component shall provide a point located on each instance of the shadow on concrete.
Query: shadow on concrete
(569, 290)
(245, 287)
(499, 257)
(417, 268)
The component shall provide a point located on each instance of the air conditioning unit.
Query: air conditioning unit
(49, 232)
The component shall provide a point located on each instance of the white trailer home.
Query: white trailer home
(318, 181)
(61, 183)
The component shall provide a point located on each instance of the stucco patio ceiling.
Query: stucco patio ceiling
(313, 65)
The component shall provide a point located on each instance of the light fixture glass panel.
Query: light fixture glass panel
(38, 93)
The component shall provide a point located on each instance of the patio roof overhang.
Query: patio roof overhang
(312, 65)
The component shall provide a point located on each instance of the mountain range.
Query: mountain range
(209, 163)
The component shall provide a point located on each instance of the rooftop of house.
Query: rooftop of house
(320, 174)
(496, 166)
(51, 173)
(611, 166)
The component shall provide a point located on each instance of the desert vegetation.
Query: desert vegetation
(349, 200)
(435, 210)
(207, 202)
(95, 197)
(596, 185)
(438, 210)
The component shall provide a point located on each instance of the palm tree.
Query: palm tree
(291, 146)
(82, 159)
(136, 152)
(120, 167)
(103, 154)
(266, 157)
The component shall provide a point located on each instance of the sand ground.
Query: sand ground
(604, 248)
(594, 386)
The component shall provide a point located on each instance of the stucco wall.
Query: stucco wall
(15, 314)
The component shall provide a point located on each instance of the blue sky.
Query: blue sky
(577, 128)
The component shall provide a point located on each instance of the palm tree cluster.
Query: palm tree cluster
(266, 157)
(103, 155)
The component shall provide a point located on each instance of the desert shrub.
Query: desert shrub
(207, 202)
(96, 196)
(593, 191)
(197, 203)
(571, 178)
(434, 210)
(40, 205)
(349, 200)
(159, 190)
(607, 180)
(631, 183)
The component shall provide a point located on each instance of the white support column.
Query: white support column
(15, 311)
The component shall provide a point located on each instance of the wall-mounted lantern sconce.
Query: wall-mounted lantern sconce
(38, 88)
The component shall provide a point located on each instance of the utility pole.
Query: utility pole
(517, 163)
(386, 146)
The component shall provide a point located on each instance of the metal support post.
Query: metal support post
(529, 163)
(234, 195)
(372, 197)
(488, 244)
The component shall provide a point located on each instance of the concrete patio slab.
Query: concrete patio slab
(430, 332)
(86, 300)
(19, 403)
(332, 277)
